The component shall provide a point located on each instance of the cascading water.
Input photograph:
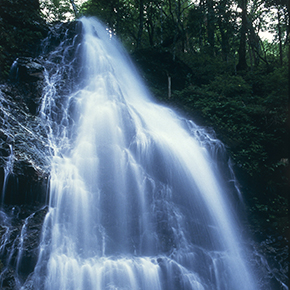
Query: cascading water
(135, 196)
(8, 169)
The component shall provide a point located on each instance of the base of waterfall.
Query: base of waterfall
(138, 272)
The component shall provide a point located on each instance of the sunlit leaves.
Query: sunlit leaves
(58, 10)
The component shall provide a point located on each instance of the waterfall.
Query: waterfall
(8, 170)
(136, 198)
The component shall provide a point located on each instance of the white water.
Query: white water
(8, 170)
(9, 164)
(135, 196)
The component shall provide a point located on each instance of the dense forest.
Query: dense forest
(208, 59)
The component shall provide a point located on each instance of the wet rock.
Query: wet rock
(26, 69)
(24, 161)
(27, 84)
(31, 239)
(24, 153)
(270, 260)
(19, 239)
(28, 285)
(24, 171)
(70, 31)
(8, 280)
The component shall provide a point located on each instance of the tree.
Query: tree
(210, 25)
(225, 20)
(57, 10)
(242, 64)
(141, 22)
(74, 7)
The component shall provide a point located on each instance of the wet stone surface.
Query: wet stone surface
(20, 232)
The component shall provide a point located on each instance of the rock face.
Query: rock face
(24, 171)
(26, 69)
(24, 150)
(24, 168)
(23, 142)
(20, 232)
(21, 28)
(24, 163)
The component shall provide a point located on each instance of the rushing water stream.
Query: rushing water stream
(136, 197)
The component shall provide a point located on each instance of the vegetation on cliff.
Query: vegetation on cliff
(248, 111)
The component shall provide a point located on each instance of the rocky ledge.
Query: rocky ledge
(24, 171)
(23, 143)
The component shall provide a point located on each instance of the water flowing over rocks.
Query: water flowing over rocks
(22, 135)
(271, 255)
(24, 175)
(24, 171)
(19, 235)
(24, 161)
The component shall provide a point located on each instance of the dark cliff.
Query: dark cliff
(21, 30)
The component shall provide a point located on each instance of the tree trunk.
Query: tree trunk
(223, 24)
(149, 24)
(169, 85)
(118, 19)
(280, 38)
(201, 23)
(151, 33)
(74, 8)
(141, 23)
(210, 25)
(224, 41)
(242, 64)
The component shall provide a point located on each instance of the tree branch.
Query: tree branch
(74, 8)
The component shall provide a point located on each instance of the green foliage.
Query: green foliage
(158, 22)
(104, 10)
(205, 68)
(248, 111)
(121, 17)
(230, 86)
(182, 27)
(249, 124)
(57, 10)
(229, 116)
